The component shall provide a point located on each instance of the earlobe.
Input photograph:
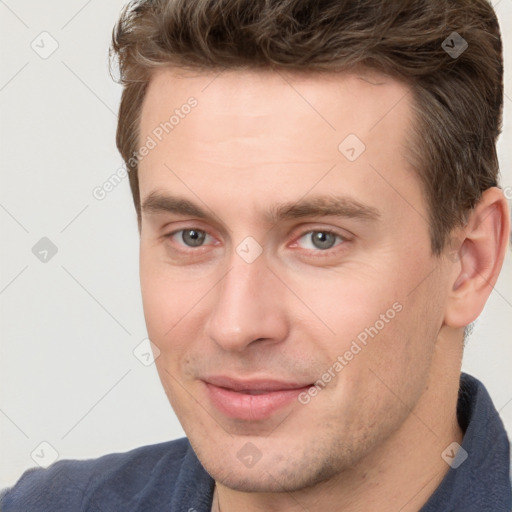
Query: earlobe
(479, 258)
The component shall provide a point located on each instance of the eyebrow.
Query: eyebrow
(320, 206)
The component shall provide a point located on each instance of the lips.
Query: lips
(253, 399)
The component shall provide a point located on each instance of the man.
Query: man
(320, 220)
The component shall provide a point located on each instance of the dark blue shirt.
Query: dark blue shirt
(169, 477)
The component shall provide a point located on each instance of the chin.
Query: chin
(269, 475)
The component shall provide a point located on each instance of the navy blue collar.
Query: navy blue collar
(482, 482)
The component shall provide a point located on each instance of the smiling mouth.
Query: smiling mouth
(251, 401)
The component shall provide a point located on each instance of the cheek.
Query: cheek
(175, 309)
(347, 304)
(156, 299)
(374, 321)
(165, 300)
(168, 307)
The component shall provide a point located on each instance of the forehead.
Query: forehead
(277, 129)
(250, 103)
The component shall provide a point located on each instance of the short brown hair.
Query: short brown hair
(458, 99)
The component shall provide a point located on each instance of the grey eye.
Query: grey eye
(323, 239)
(193, 237)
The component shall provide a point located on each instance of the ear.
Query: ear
(478, 258)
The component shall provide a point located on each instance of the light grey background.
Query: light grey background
(68, 375)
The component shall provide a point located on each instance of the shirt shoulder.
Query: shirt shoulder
(480, 482)
(136, 480)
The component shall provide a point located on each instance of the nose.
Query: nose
(249, 307)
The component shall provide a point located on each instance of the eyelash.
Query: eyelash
(319, 252)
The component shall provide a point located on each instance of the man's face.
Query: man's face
(286, 254)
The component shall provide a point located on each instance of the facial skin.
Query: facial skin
(373, 436)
